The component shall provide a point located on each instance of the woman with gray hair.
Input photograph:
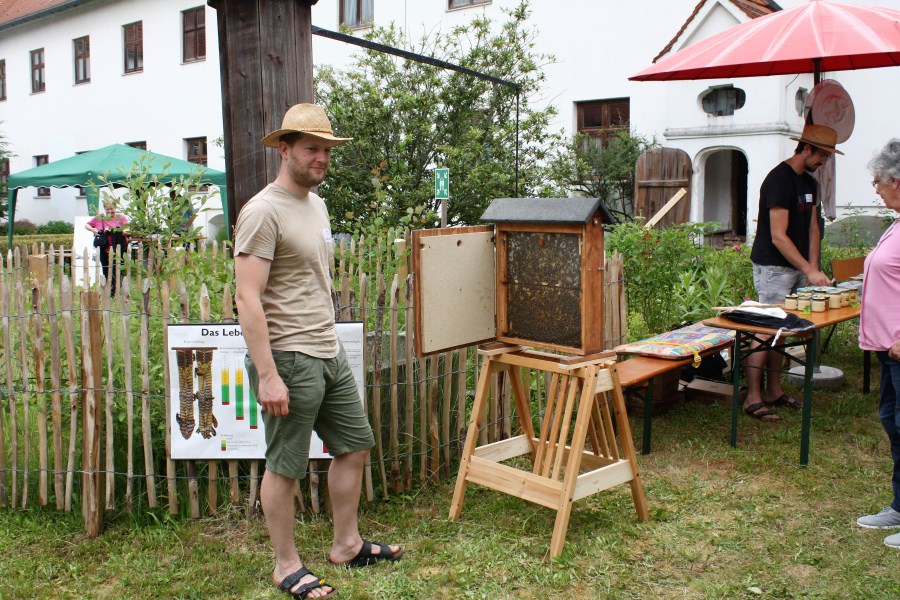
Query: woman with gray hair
(879, 327)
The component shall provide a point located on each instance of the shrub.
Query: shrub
(55, 227)
(654, 260)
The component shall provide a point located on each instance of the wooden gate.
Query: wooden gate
(659, 174)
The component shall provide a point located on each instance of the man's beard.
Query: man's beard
(303, 177)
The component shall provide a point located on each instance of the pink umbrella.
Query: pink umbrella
(810, 38)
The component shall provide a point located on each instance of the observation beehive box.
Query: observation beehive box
(534, 278)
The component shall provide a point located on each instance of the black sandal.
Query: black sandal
(785, 400)
(302, 592)
(365, 558)
(761, 411)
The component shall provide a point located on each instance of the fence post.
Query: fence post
(91, 352)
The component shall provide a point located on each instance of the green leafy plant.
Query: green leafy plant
(584, 167)
(698, 291)
(654, 259)
(158, 207)
(408, 117)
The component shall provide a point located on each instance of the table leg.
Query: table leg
(807, 402)
(648, 417)
(736, 390)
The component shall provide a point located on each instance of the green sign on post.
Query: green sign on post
(442, 184)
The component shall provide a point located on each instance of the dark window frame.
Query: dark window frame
(723, 100)
(200, 158)
(2, 79)
(452, 4)
(82, 59)
(358, 18)
(39, 161)
(133, 41)
(604, 117)
(38, 73)
(140, 145)
(193, 34)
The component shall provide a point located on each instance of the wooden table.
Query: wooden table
(808, 339)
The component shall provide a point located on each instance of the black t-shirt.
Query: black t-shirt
(783, 188)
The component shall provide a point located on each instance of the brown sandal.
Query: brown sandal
(761, 411)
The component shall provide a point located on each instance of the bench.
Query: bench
(638, 372)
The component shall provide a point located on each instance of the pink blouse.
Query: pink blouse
(117, 222)
(879, 321)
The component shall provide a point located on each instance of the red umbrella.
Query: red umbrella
(810, 38)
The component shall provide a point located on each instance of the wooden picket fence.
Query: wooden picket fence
(84, 395)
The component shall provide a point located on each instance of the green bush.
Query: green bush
(654, 261)
(22, 226)
(54, 227)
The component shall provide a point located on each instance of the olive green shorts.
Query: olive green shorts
(323, 397)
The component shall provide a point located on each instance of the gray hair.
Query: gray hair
(886, 162)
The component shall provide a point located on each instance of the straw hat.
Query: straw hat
(305, 118)
(820, 136)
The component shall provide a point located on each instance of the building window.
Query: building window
(42, 159)
(464, 3)
(37, 71)
(193, 34)
(357, 13)
(134, 47)
(601, 118)
(139, 145)
(196, 150)
(82, 59)
(3, 79)
(723, 101)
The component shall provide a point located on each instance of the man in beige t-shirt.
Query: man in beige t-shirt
(296, 366)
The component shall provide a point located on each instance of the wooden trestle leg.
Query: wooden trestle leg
(582, 400)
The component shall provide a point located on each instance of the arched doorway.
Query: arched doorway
(725, 196)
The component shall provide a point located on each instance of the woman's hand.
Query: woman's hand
(894, 350)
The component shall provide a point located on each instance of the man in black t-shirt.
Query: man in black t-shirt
(785, 252)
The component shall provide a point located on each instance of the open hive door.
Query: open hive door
(454, 287)
(542, 287)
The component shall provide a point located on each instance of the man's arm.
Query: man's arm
(251, 273)
(778, 222)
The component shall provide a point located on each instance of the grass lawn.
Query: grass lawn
(725, 523)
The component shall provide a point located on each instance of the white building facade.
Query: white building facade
(168, 97)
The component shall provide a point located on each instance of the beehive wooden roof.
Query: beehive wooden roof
(544, 210)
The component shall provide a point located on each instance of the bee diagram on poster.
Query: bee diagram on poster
(214, 412)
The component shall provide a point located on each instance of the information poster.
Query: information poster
(214, 413)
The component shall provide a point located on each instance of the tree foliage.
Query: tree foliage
(158, 206)
(584, 168)
(408, 118)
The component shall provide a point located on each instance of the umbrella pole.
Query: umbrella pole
(817, 71)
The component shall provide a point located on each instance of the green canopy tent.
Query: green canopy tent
(114, 162)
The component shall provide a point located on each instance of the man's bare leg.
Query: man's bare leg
(774, 363)
(344, 486)
(277, 497)
(755, 364)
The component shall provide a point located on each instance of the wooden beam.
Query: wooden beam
(665, 209)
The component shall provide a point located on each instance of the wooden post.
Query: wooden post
(91, 352)
(264, 72)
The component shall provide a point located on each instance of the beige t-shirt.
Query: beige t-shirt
(294, 233)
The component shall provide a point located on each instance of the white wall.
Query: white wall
(597, 45)
(162, 105)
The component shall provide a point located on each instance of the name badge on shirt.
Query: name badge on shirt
(326, 235)
(806, 200)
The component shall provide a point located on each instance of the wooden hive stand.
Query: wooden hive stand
(584, 400)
